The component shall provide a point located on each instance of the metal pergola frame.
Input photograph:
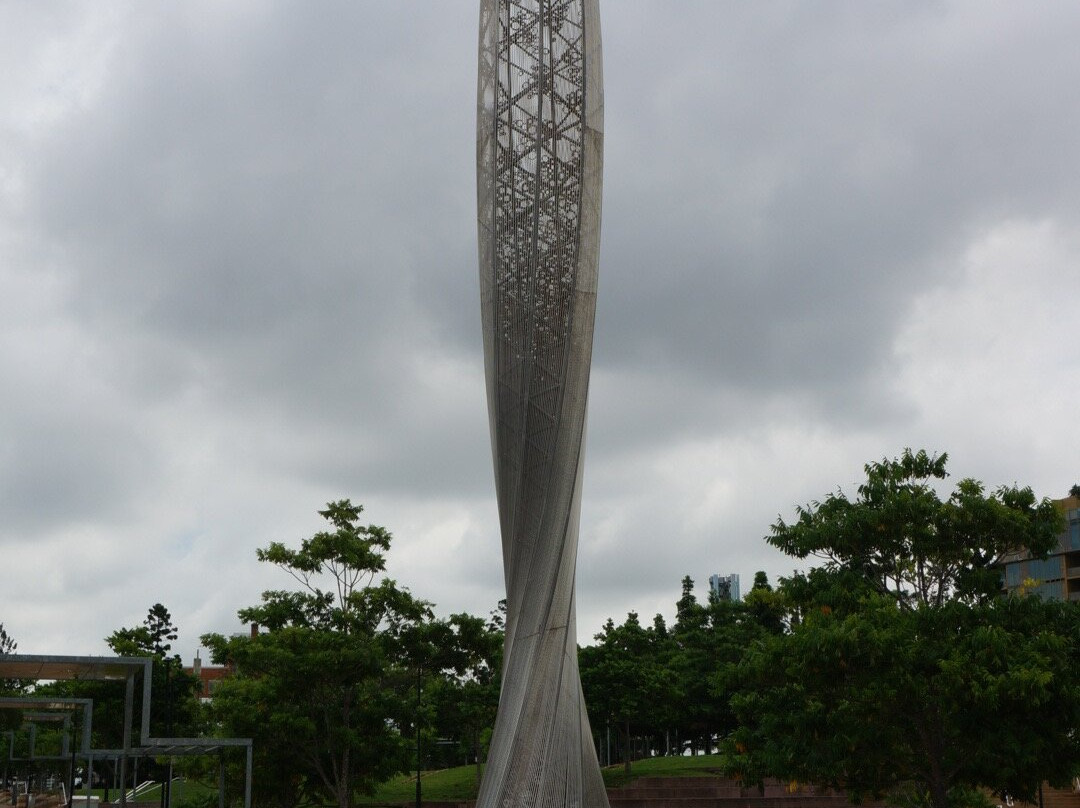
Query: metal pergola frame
(34, 719)
(65, 708)
(48, 667)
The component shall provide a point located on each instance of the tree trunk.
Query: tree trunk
(930, 735)
(476, 753)
(939, 793)
(626, 749)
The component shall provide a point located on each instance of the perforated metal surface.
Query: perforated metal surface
(539, 171)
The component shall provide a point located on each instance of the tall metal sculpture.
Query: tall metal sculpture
(539, 170)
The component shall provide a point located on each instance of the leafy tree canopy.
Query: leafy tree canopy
(625, 679)
(7, 643)
(320, 689)
(902, 667)
(153, 638)
(9, 687)
(901, 539)
(174, 708)
(936, 701)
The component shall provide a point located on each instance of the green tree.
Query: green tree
(903, 669)
(162, 632)
(9, 720)
(319, 689)
(7, 643)
(624, 680)
(900, 539)
(695, 658)
(174, 709)
(706, 640)
(766, 606)
(130, 642)
(466, 698)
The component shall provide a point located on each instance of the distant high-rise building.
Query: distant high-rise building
(724, 587)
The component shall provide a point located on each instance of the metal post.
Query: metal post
(88, 720)
(71, 769)
(247, 779)
(166, 789)
(129, 712)
(417, 736)
(221, 781)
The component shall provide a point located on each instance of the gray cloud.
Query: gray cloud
(238, 279)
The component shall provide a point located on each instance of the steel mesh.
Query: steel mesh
(539, 172)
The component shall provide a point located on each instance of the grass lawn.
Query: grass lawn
(449, 785)
(440, 785)
(684, 766)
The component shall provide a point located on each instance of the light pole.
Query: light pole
(418, 674)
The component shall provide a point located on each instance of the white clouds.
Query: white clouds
(989, 358)
(57, 63)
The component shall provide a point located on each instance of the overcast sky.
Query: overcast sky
(238, 279)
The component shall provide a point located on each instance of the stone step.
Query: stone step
(685, 781)
(618, 801)
(793, 800)
(700, 790)
(771, 783)
(719, 788)
(719, 792)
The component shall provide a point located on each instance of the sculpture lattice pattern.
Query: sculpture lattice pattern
(539, 169)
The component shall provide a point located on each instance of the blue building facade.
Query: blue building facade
(1056, 577)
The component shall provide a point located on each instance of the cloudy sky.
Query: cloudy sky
(238, 279)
